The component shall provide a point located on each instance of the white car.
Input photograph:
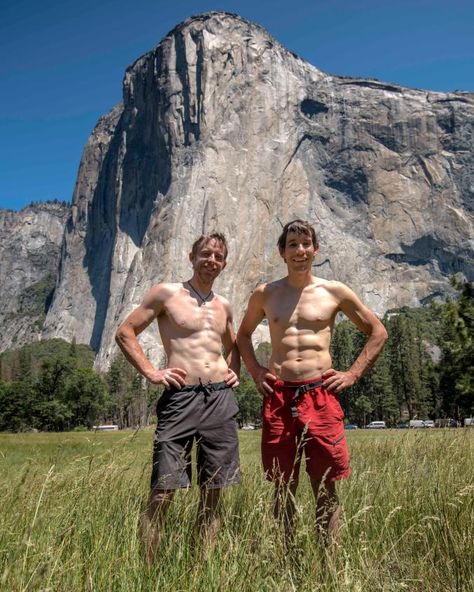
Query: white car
(416, 423)
(377, 425)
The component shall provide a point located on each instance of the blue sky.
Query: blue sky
(62, 63)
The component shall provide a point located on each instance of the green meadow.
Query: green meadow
(70, 504)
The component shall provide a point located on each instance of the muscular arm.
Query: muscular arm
(134, 324)
(366, 321)
(231, 350)
(253, 316)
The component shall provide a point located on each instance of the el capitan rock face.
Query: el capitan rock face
(223, 128)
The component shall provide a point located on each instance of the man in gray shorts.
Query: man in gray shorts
(198, 404)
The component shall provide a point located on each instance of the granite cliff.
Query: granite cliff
(30, 244)
(221, 127)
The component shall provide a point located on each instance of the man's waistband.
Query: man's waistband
(311, 382)
(210, 387)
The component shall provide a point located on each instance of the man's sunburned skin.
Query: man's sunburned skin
(301, 322)
(301, 310)
(301, 326)
(300, 330)
(192, 334)
(194, 324)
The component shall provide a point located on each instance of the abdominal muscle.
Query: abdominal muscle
(300, 355)
(201, 361)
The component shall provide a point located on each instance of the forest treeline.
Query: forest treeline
(425, 371)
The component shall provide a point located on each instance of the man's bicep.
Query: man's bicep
(253, 315)
(139, 319)
(356, 311)
(228, 339)
(148, 310)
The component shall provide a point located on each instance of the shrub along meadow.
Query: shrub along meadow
(70, 506)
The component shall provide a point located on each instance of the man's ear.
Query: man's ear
(191, 257)
(281, 253)
(224, 264)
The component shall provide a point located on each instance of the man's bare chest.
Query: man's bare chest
(189, 317)
(305, 311)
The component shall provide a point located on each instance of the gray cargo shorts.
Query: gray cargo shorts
(205, 413)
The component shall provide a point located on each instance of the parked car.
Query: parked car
(377, 425)
(351, 426)
(446, 423)
(402, 425)
(416, 423)
(429, 423)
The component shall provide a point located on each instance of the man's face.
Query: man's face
(299, 251)
(209, 260)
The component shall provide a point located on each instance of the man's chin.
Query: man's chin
(300, 268)
(208, 277)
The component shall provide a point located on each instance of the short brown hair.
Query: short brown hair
(205, 238)
(300, 227)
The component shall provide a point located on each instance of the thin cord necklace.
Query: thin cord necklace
(203, 300)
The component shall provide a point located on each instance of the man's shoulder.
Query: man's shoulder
(262, 291)
(274, 286)
(223, 301)
(330, 285)
(337, 289)
(164, 290)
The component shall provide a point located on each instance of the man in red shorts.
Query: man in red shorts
(301, 410)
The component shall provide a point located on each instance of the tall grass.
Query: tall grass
(70, 505)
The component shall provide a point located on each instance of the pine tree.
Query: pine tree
(456, 367)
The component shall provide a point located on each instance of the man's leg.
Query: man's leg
(328, 510)
(284, 508)
(208, 520)
(152, 520)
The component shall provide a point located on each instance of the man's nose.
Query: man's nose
(300, 248)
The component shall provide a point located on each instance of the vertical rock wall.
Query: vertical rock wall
(222, 128)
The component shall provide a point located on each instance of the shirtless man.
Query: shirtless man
(198, 403)
(301, 410)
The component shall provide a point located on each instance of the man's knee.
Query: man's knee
(158, 499)
(210, 496)
(324, 491)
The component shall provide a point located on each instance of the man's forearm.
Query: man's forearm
(247, 352)
(369, 353)
(128, 343)
(233, 359)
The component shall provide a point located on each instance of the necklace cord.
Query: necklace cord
(203, 300)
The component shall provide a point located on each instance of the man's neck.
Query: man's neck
(202, 288)
(300, 279)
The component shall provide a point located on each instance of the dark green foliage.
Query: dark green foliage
(86, 396)
(456, 368)
(408, 359)
(15, 364)
(425, 369)
(52, 387)
(131, 398)
(35, 299)
(249, 399)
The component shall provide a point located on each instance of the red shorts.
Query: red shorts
(296, 421)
